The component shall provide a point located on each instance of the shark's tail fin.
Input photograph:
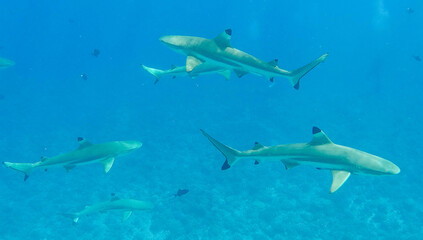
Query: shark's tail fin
(232, 155)
(74, 216)
(297, 74)
(22, 167)
(155, 72)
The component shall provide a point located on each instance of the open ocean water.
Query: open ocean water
(366, 95)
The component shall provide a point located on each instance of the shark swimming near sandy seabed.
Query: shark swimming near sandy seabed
(175, 71)
(86, 153)
(5, 63)
(219, 52)
(320, 153)
(125, 205)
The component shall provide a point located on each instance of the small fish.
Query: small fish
(84, 76)
(417, 58)
(181, 192)
(410, 10)
(95, 53)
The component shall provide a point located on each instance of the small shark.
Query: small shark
(5, 63)
(126, 205)
(86, 153)
(219, 52)
(320, 153)
(175, 71)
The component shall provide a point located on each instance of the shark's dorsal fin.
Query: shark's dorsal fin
(43, 159)
(319, 137)
(108, 163)
(83, 143)
(191, 63)
(172, 67)
(126, 215)
(274, 62)
(339, 177)
(223, 40)
(226, 74)
(240, 73)
(257, 146)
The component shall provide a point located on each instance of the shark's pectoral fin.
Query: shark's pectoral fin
(191, 63)
(108, 163)
(226, 74)
(240, 73)
(69, 167)
(126, 215)
(289, 165)
(319, 137)
(223, 40)
(339, 177)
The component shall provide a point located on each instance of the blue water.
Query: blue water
(366, 95)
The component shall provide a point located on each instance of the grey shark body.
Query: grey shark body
(174, 71)
(320, 153)
(86, 153)
(5, 63)
(125, 205)
(219, 52)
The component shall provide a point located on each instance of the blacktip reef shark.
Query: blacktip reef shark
(125, 205)
(86, 153)
(5, 63)
(175, 71)
(219, 52)
(320, 153)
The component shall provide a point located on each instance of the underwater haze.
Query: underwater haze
(366, 95)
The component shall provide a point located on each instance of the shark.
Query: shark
(320, 153)
(176, 71)
(116, 203)
(219, 52)
(86, 153)
(5, 63)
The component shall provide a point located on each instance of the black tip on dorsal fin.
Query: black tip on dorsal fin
(276, 60)
(256, 162)
(26, 177)
(316, 130)
(80, 139)
(228, 31)
(225, 165)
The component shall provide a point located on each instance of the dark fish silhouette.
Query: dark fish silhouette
(84, 76)
(95, 52)
(417, 58)
(181, 192)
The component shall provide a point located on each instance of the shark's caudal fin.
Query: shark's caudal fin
(26, 168)
(231, 154)
(155, 72)
(297, 74)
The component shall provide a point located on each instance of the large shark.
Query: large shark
(5, 63)
(87, 152)
(174, 71)
(320, 153)
(219, 52)
(125, 205)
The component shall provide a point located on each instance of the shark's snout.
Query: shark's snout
(131, 145)
(394, 169)
(168, 41)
